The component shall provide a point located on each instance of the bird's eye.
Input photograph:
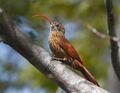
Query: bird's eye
(58, 25)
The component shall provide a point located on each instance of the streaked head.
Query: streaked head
(55, 26)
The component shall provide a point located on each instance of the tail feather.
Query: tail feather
(85, 72)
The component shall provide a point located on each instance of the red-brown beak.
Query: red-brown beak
(44, 17)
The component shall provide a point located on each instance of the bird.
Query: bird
(63, 50)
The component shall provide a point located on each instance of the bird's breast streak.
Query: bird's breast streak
(54, 45)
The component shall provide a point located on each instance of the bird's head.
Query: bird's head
(54, 26)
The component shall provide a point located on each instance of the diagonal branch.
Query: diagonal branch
(40, 59)
(102, 35)
(112, 33)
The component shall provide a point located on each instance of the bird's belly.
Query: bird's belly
(55, 48)
(57, 51)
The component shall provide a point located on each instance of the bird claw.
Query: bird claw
(59, 59)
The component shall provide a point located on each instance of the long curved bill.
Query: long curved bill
(44, 17)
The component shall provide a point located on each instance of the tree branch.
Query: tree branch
(40, 59)
(102, 35)
(112, 33)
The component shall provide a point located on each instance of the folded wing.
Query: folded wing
(68, 48)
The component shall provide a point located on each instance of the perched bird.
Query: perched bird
(63, 50)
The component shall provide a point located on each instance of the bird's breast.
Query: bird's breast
(54, 44)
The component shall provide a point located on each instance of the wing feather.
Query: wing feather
(68, 48)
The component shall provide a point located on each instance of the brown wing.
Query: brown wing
(68, 48)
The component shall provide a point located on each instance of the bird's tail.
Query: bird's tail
(85, 72)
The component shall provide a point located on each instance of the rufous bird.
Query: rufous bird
(63, 50)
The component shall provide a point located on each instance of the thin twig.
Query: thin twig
(101, 35)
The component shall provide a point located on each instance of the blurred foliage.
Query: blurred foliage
(93, 50)
(36, 79)
(15, 7)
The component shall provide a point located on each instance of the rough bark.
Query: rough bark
(40, 59)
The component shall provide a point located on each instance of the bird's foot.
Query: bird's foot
(59, 59)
